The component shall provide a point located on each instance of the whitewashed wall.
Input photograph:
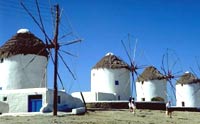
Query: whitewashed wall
(189, 94)
(23, 71)
(95, 96)
(72, 102)
(4, 108)
(18, 99)
(150, 89)
(88, 96)
(106, 96)
(103, 80)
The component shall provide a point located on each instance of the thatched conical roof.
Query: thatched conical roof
(23, 43)
(111, 61)
(187, 78)
(150, 73)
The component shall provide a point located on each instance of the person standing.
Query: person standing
(168, 110)
(131, 105)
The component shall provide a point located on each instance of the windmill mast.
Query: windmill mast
(53, 45)
(56, 47)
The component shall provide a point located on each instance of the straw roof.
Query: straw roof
(23, 43)
(188, 78)
(150, 73)
(111, 61)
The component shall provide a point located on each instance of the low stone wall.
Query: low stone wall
(124, 105)
(107, 105)
(191, 109)
(139, 105)
(151, 105)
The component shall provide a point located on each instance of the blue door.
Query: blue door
(34, 103)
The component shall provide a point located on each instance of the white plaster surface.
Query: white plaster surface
(189, 94)
(150, 89)
(103, 80)
(95, 96)
(23, 71)
(18, 99)
(23, 30)
(4, 108)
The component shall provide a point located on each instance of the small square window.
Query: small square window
(4, 98)
(59, 100)
(119, 97)
(142, 82)
(116, 82)
(143, 99)
(183, 103)
(1, 60)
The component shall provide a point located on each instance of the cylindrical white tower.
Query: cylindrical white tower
(188, 91)
(23, 62)
(151, 86)
(111, 75)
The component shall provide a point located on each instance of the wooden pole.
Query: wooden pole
(83, 101)
(56, 47)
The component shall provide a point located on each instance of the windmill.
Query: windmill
(196, 75)
(171, 69)
(133, 67)
(53, 44)
(189, 87)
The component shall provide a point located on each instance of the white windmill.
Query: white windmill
(187, 91)
(27, 63)
(151, 86)
(111, 75)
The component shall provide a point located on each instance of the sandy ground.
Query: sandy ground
(107, 117)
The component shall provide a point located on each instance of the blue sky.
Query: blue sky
(157, 25)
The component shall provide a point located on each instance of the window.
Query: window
(5, 98)
(119, 97)
(59, 99)
(116, 82)
(0, 88)
(183, 104)
(1, 60)
(142, 82)
(143, 99)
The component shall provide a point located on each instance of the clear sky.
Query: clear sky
(156, 24)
